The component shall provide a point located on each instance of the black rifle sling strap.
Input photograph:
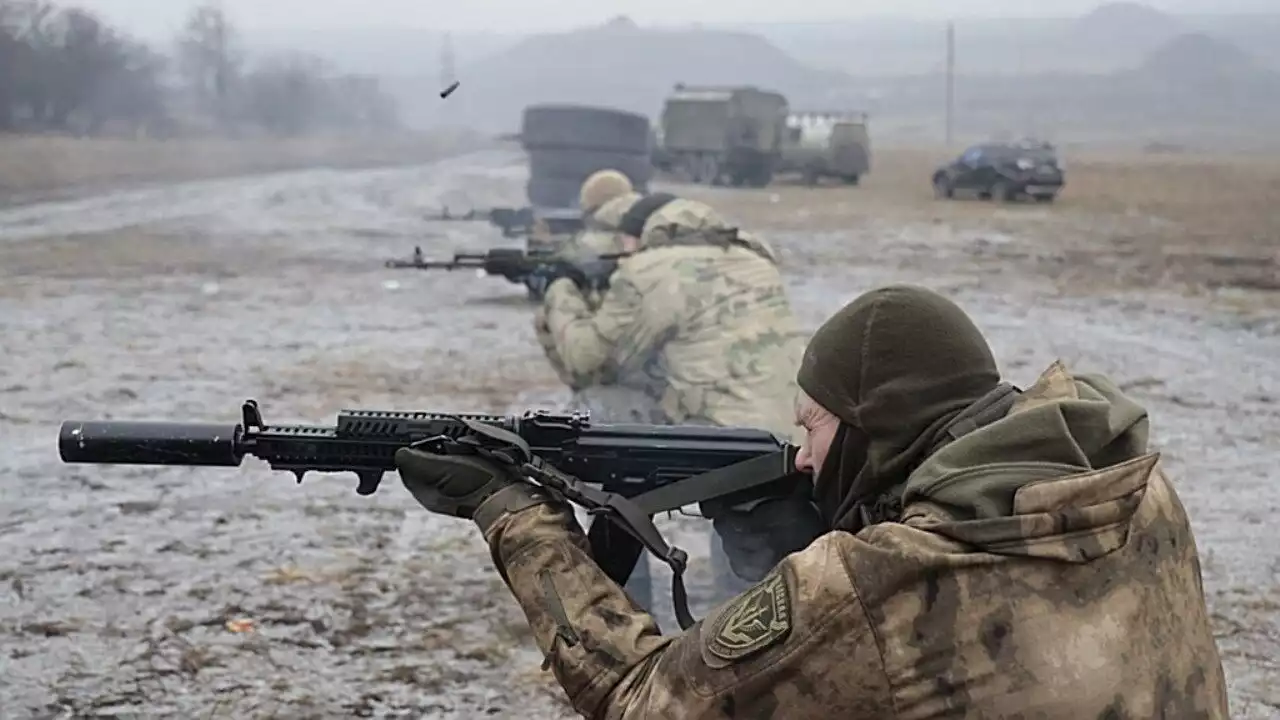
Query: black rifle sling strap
(748, 475)
(617, 552)
(616, 555)
(619, 510)
(633, 220)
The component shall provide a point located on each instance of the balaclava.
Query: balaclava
(896, 366)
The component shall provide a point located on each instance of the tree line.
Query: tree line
(65, 70)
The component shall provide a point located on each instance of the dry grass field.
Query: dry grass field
(1190, 223)
(33, 168)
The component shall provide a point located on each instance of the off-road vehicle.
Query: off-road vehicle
(819, 145)
(1003, 172)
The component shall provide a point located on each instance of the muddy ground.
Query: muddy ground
(129, 592)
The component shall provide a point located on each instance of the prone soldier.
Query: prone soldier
(732, 363)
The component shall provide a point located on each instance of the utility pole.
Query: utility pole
(951, 81)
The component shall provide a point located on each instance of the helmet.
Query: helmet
(601, 187)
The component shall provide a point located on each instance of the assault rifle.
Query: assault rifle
(517, 222)
(534, 269)
(624, 473)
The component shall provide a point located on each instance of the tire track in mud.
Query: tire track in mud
(218, 592)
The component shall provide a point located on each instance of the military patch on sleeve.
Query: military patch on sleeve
(757, 619)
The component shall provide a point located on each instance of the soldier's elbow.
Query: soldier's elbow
(583, 360)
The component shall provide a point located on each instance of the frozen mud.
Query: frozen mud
(168, 592)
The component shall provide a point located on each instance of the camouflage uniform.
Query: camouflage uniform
(705, 329)
(689, 333)
(1010, 589)
(618, 401)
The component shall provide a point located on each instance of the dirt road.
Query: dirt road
(221, 593)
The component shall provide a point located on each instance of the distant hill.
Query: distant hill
(1127, 22)
(1112, 37)
(1197, 58)
(1123, 69)
(621, 65)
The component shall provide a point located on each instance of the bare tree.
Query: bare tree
(295, 94)
(65, 70)
(209, 58)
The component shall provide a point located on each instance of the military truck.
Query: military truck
(720, 135)
(819, 145)
(564, 145)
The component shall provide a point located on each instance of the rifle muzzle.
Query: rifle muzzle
(149, 443)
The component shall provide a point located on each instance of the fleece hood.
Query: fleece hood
(1058, 477)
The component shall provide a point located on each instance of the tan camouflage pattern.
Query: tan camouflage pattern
(1085, 604)
(601, 187)
(706, 331)
(598, 238)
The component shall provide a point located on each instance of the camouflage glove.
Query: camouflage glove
(758, 535)
(468, 487)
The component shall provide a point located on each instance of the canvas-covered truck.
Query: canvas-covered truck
(722, 135)
(820, 145)
(564, 145)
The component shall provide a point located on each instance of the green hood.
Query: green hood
(1058, 477)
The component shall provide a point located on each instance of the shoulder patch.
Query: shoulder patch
(757, 619)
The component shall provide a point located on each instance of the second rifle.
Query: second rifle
(535, 270)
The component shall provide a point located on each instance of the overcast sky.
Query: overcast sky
(153, 17)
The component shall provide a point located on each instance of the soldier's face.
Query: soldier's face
(820, 426)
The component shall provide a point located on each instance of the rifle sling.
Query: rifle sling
(618, 554)
(633, 221)
(634, 516)
(730, 479)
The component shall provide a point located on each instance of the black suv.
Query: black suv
(1003, 171)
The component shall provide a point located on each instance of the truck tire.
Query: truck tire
(585, 128)
(552, 192)
(942, 189)
(577, 164)
(760, 177)
(1001, 191)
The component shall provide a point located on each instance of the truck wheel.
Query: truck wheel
(585, 128)
(942, 189)
(1001, 192)
(851, 179)
(708, 171)
(760, 177)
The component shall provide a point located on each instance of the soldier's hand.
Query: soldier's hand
(453, 485)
